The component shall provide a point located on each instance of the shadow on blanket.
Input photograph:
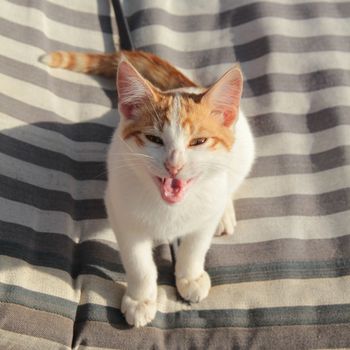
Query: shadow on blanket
(63, 230)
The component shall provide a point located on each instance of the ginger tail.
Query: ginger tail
(89, 63)
(158, 71)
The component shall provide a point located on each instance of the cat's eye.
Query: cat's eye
(198, 141)
(154, 139)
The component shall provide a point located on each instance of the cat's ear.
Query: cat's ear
(133, 90)
(223, 98)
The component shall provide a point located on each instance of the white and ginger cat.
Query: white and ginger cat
(176, 159)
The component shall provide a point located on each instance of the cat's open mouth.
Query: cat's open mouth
(172, 189)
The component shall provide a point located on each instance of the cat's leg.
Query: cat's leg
(228, 221)
(192, 282)
(139, 302)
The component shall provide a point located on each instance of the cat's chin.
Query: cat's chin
(172, 190)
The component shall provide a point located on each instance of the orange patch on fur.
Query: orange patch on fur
(92, 61)
(56, 59)
(187, 125)
(195, 119)
(158, 71)
(149, 118)
(71, 62)
(215, 142)
(198, 122)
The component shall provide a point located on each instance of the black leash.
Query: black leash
(123, 27)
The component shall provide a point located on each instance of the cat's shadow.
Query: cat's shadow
(74, 248)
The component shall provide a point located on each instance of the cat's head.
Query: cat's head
(180, 137)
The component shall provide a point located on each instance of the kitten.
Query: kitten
(175, 161)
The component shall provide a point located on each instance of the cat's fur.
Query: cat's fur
(156, 70)
(174, 163)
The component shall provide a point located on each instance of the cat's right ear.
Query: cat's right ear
(133, 90)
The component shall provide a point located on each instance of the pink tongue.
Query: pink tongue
(173, 186)
(172, 190)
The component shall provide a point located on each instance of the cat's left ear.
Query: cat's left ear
(223, 98)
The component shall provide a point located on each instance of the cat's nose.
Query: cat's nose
(174, 162)
(173, 170)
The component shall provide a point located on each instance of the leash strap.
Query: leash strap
(123, 27)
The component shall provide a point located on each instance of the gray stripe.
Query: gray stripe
(50, 221)
(51, 200)
(294, 337)
(262, 125)
(71, 17)
(97, 252)
(198, 59)
(50, 245)
(60, 252)
(278, 43)
(237, 16)
(192, 59)
(279, 270)
(82, 132)
(262, 317)
(218, 256)
(38, 325)
(247, 208)
(314, 81)
(57, 251)
(27, 113)
(92, 131)
(51, 141)
(274, 123)
(79, 170)
(34, 37)
(50, 179)
(298, 204)
(95, 170)
(83, 265)
(301, 164)
(249, 51)
(35, 300)
(284, 250)
(59, 87)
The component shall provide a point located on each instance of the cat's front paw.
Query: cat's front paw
(194, 290)
(228, 221)
(138, 312)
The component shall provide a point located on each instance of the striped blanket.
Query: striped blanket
(281, 281)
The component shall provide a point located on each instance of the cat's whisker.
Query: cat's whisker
(127, 162)
(116, 166)
(126, 144)
(132, 154)
(99, 175)
(132, 161)
(223, 166)
(113, 167)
